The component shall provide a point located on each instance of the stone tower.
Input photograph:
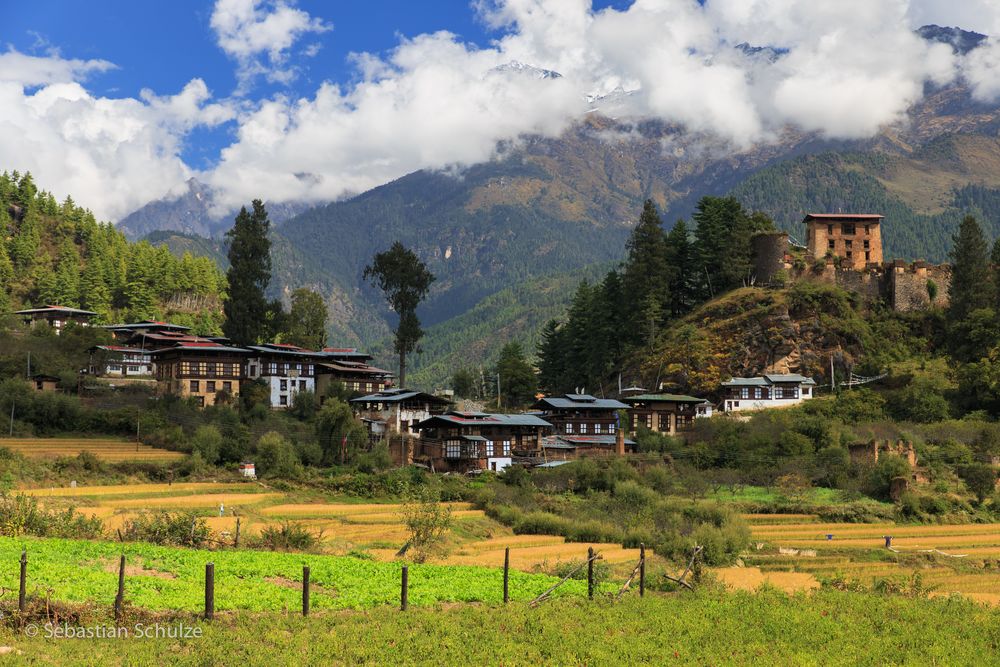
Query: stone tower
(854, 237)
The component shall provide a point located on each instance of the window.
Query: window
(805, 391)
(368, 387)
(132, 369)
(489, 448)
(745, 392)
(583, 428)
(867, 244)
(829, 229)
(309, 369)
(847, 228)
(302, 385)
(200, 401)
(195, 386)
(868, 256)
(284, 385)
(867, 230)
(830, 244)
(611, 429)
(506, 447)
(757, 392)
(283, 400)
(227, 387)
(597, 429)
(253, 370)
(647, 420)
(847, 243)
(210, 386)
(452, 449)
(848, 254)
(663, 421)
(569, 427)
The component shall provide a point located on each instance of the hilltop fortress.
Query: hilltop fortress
(846, 250)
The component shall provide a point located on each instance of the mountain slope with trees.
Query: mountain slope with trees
(57, 253)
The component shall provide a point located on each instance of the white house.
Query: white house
(287, 369)
(766, 391)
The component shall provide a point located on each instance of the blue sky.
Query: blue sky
(121, 102)
(163, 45)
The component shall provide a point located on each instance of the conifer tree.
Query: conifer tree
(307, 320)
(681, 257)
(405, 281)
(646, 274)
(552, 351)
(970, 277)
(246, 308)
(517, 378)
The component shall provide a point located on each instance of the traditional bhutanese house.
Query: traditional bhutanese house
(200, 369)
(130, 332)
(120, 361)
(352, 369)
(397, 410)
(665, 413)
(766, 391)
(467, 441)
(57, 316)
(565, 447)
(581, 414)
(287, 369)
(44, 382)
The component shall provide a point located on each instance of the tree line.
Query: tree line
(664, 276)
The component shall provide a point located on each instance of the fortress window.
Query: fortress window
(847, 243)
(868, 256)
(848, 253)
(830, 244)
(847, 228)
(829, 229)
(867, 242)
(867, 230)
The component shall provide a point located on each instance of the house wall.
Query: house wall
(908, 286)
(749, 405)
(827, 236)
(281, 398)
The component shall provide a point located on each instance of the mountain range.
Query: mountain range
(508, 239)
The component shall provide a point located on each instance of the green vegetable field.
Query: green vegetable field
(165, 578)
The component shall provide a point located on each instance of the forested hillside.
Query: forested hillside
(923, 195)
(57, 253)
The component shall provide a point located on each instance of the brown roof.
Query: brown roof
(843, 216)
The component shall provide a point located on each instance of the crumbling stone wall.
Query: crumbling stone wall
(909, 285)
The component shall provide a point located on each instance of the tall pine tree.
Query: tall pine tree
(970, 275)
(646, 275)
(246, 308)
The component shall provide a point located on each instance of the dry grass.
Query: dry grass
(751, 578)
(344, 509)
(136, 490)
(106, 450)
(193, 501)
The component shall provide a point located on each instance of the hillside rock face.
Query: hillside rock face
(749, 332)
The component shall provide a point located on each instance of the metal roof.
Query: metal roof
(290, 350)
(474, 438)
(665, 398)
(484, 419)
(583, 401)
(148, 324)
(552, 464)
(397, 396)
(765, 380)
(200, 347)
(55, 309)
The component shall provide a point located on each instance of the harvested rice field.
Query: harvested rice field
(110, 450)
(948, 559)
(342, 527)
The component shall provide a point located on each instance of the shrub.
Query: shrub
(21, 515)
(541, 523)
(179, 528)
(276, 457)
(286, 537)
(207, 441)
(428, 520)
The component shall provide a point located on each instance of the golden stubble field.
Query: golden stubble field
(377, 528)
(796, 554)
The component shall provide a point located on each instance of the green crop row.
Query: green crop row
(173, 578)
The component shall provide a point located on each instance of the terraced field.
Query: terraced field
(113, 451)
(342, 526)
(795, 555)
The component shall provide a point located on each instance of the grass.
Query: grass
(82, 571)
(829, 628)
(768, 494)
(104, 449)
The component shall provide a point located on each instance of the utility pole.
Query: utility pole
(138, 415)
(498, 390)
(12, 418)
(833, 379)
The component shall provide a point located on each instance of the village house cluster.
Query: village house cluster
(420, 427)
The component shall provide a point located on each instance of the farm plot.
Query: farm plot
(166, 578)
(112, 451)
(955, 554)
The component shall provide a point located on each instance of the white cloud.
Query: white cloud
(112, 155)
(258, 35)
(846, 68)
(30, 70)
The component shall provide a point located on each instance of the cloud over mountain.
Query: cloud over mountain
(842, 68)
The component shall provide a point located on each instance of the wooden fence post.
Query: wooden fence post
(120, 598)
(642, 569)
(590, 573)
(404, 594)
(236, 542)
(305, 590)
(21, 596)
(506, 575)
(209, 591)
